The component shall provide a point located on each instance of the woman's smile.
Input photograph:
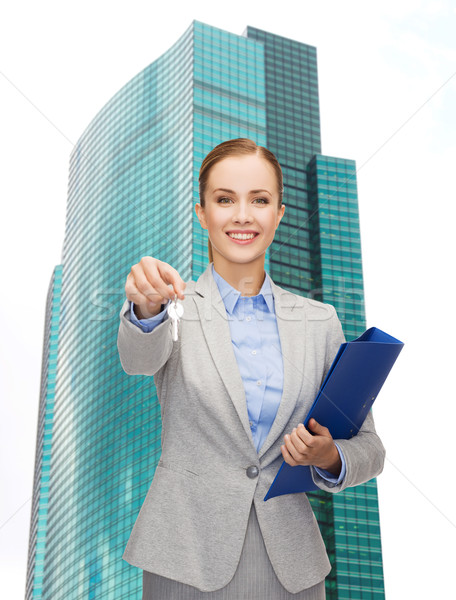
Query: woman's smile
(242, 237)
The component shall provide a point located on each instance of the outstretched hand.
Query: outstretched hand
(319, 450)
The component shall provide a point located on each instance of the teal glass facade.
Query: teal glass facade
(335, 239)
(40, 501)
(132, 187)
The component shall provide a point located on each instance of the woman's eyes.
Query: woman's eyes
(224, 200)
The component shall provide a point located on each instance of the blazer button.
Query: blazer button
(252, 472)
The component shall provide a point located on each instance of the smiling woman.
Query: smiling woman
(233, 404)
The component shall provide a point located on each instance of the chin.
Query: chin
(242, 258)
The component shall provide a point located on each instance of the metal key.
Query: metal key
(175, 312)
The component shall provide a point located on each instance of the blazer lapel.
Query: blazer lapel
(291, 324)
(214, 322)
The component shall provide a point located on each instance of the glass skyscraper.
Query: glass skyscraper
(133, 184)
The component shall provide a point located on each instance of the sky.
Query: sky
(387, 84)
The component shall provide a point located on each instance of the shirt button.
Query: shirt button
(258, 382)
(254, 352)
(252, 472)
(248, 318)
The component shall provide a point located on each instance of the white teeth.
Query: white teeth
(242, 236)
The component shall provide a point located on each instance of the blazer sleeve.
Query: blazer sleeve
(143, 353)
(364, 453)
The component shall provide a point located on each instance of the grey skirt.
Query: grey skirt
(254, 578)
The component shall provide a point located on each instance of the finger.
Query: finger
(287, 457)
(297, 456)
(132, 292)
(143, 308)
(298, 443)
(171, 276)
(305, 435)
(318, 429)
(151, 271)
(149, 293)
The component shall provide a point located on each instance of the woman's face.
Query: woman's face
(241, 211)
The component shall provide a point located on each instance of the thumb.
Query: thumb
(315, 427)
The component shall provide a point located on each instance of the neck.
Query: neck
(247, 278)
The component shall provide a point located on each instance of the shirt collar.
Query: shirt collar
(230, 295)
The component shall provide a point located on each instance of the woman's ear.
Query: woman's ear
(201, 214)
(280, 215)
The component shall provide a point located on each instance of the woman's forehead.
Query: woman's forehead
(242, 173)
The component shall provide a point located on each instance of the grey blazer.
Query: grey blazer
(192, 523)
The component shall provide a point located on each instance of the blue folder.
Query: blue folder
(351, 385)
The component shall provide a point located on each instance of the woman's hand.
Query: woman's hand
(148, 286)
(319, 450)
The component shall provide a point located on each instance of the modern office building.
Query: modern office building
(133, 184)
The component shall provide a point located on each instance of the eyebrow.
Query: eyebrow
(233, 192)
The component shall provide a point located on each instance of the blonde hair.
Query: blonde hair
(236, 147)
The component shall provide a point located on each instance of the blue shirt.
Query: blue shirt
(256, 345)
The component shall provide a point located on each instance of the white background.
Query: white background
(387, 101)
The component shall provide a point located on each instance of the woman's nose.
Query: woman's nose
(242, 214)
